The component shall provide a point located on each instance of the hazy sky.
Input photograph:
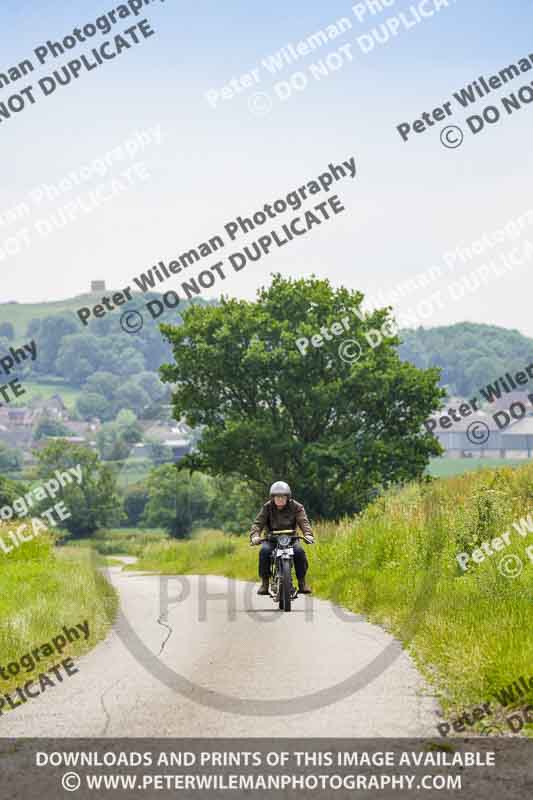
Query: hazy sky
(409, 205)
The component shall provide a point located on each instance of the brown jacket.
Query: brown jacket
(281, 519)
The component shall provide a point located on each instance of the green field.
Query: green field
(20, 314)
(47, 389)
(448, 467)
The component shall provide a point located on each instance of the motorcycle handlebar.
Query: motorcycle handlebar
(278, 533)
(292, 535)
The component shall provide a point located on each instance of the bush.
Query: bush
(134, 505)
(177, 500)
(10, 458)
(50, 427)
(92, 405)
(94, 503)
(233, 506)
(9, 491)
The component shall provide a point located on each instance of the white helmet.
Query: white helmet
(280, 487)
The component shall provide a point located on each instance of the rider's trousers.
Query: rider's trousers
(300, 560)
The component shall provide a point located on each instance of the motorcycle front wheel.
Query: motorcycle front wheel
(285, 585)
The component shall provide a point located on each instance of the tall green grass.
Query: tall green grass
(470, 633)
(43, 589)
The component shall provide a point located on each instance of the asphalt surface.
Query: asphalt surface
(224, 662)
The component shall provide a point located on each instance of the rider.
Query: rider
(279, 514)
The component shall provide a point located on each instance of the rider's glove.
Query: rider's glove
(256, 539)
(309, 538)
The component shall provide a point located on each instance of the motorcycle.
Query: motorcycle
(282, 589)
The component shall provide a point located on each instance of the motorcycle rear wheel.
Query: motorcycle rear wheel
(285, 586)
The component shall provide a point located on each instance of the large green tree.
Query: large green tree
(233, 505)
(177, 500)
(338, 431)
(135, 500)
(115, 439)
(91, 404)
(469, 354)
(50, 332)
(103, 383)
(81, 355)
(132, 396)
(94, 503)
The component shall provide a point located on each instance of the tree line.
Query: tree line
(170, 499)
(469, 354)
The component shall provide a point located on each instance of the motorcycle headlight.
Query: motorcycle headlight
(284, 540)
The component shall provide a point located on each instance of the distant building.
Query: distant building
(97, 286)
(460, 441)
(82, 428)
(55, 407)
(517, 439)
(179, 447)
(479, 435)
(20, 438)
(21, 417)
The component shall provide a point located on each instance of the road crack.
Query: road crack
(106, 712)
(170, 632)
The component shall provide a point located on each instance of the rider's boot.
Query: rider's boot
(263, 589)
(303, 588)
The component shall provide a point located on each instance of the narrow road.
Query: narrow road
(222, 661)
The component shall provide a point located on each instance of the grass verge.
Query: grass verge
(44, 589)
